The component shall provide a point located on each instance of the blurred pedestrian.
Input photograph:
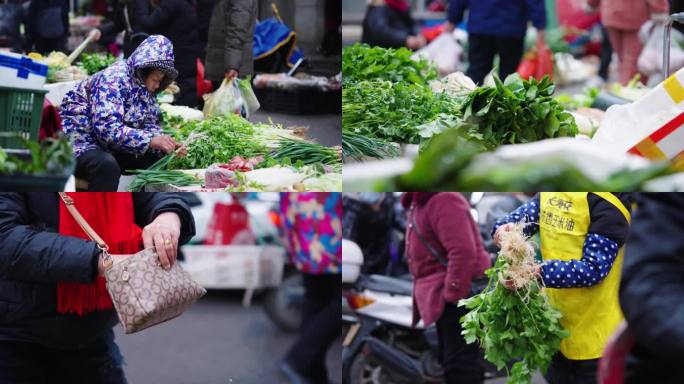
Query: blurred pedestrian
(313, 223)
(230, 40)
(12, 16)
(652, 289)
(496, 27)
(369, 222)
(389, 24)
(49, 24)
(124, 20)
(177, 21)
(56, 316)
(445, 253)
(623, 19)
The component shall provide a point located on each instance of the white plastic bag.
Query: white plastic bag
(249, 98)
(444, 51)
(650, 60)
(225, 100)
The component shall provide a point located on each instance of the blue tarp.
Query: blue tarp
(270, 35)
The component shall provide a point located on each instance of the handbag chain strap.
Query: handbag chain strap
(69, 203)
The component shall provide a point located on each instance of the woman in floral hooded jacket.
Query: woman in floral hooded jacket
(112, 118)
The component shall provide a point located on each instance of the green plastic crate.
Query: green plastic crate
(20, 112)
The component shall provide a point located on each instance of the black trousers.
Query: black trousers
(565, 371)
(26, 363)
(461, 361)
(45, 46)
(321, 325)
(102, 169)
(606, 54)
(483, 48)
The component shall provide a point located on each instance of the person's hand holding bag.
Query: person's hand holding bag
(162, 235)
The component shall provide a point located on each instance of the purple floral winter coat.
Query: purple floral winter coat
(113, 109)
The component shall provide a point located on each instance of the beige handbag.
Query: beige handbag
(143, 293)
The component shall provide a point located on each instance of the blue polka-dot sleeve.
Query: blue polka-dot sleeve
(598, 256)
(526, 213)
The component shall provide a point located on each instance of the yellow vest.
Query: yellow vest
(590, 314)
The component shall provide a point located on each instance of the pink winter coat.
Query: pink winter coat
(628, 15)
(444, 221)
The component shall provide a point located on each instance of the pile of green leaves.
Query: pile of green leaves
(450, 163)
(146, 177)
(93, 63)
(221, 139)
(513, 325)
(515, 111)
(51, 156)
(362, 62)
(581, 100)
(358, 147)
(391, 111)
(305, 152)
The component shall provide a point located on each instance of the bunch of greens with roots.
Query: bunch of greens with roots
(516, 326)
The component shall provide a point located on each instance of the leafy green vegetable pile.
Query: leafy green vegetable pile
(514, 324)
(386, 94)
(93, 63)
(391, 111)
(515, 111)
(362, 62)
(218, 140)
(450, 163)
(51, 156)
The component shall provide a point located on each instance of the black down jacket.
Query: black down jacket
(34, 258)
(652, 288)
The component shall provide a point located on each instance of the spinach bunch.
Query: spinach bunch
(513, 325)
(516, 111)
(363, 62)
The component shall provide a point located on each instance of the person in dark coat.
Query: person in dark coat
(177, 20)
(441, 222)
(652, 289)
(12, 16)
(231, 40)
(496, 27)
(49, 24)
(56, 317)
(388, 24)
(124, 19)
(204, 9)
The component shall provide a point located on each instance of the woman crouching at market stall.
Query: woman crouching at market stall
(445, 253)
(113, 120)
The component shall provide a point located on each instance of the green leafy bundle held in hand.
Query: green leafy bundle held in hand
(514, 324)
(362, 62)
(515, 111)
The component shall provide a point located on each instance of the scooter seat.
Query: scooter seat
(386, 284)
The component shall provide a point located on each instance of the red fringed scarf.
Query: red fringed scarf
(111, 216)
(400, 5)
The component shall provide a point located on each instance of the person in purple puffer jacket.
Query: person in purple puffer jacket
(112, 118)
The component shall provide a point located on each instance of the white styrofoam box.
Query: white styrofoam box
(18, 71)
(235, 266)
(57, 91)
